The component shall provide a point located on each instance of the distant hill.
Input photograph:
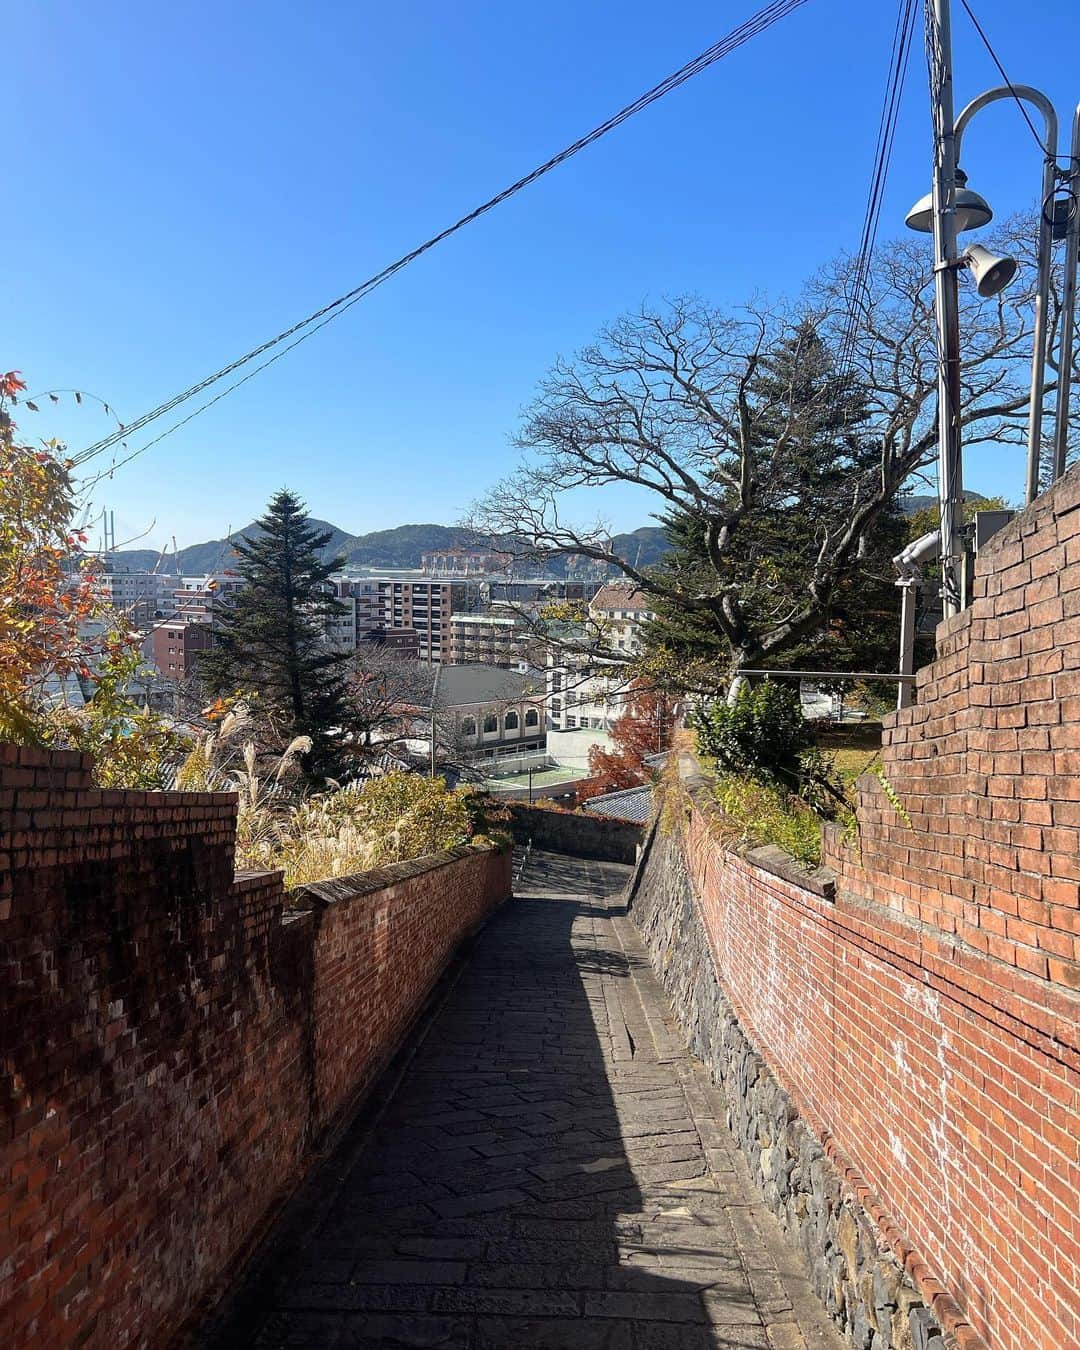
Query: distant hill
(921, 501)
(399, 547)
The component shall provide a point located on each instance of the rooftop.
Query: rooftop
(460, 685)
(615, 596)
(630, 804)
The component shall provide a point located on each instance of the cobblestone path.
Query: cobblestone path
(552, 1171)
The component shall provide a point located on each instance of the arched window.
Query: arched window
(491, 724)
(468, 726)
(532, 717)
(510, 722)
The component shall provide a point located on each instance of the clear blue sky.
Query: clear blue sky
(185, 180)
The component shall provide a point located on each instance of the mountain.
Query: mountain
(399, 547)
(641, 547)
(920, 502)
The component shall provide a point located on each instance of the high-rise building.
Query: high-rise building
(408, 600)
(140, 596)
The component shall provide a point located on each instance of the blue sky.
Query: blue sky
(185, 180)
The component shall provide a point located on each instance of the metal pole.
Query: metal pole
(909, 590)
(434, 702)
(1043, 275)
(1068, 307)
(1042, 305)
(946, 305)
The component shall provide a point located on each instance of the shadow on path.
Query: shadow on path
(549, 1172)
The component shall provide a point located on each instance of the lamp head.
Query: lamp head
(972, 211)
(991, 272)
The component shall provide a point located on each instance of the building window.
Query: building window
(556, 681)
(532, 717)
(510, 722)
(556, 707)
(491, 723)
(468, 726)
(571, 722)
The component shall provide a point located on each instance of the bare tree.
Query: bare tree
(385, 690)
(673, 400)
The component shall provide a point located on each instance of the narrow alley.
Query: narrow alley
(552, 1171)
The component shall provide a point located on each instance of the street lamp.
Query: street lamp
(1059, 218)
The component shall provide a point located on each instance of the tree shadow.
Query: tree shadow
(538, 1179)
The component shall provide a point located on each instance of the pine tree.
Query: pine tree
(272, 634)
(810, 445)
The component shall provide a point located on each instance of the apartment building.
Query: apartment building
(141, 596)
(174, 645)
(497, 637)
(622, 609)
(408, 600)
(199, 599)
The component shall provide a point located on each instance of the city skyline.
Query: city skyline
(222, 238)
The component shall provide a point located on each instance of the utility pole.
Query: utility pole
(434, 709)
(1068, 303)
(946, 304)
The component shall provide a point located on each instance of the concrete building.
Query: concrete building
(498, 637)
(623, 610)
(463, 562)
(493, 710)
(409, 600)
(198, 599)
(587, 694)
(141, 596)
(174, 645)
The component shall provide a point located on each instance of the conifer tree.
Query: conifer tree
(272, 634)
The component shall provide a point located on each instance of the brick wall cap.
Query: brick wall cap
(336, 890)
(820, 881)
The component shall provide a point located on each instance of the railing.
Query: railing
(521, 863)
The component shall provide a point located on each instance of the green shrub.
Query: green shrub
(761, 735)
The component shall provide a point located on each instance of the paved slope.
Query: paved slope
(550, 1173)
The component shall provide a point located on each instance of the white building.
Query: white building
(139, 595)
(621, 610)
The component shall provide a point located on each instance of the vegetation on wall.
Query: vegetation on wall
(339, 832)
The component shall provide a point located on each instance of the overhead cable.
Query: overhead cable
(1009, 84)
(763, 19)
(887, 124)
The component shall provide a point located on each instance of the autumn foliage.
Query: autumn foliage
(45, 594)
(644, 729)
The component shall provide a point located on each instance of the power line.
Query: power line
(305, 328)
(886, 137)
(1001, 71)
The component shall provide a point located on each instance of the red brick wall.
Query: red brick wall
(926, 1021)
(170, 1047)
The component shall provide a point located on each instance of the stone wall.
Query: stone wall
(805, 1181)
(174, 1043)
(581, 836)
(911, 1015)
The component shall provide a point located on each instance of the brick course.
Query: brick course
(174, 1042)
(923, 1019)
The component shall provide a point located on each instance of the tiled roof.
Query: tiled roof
(630, 804)
(614, 596)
